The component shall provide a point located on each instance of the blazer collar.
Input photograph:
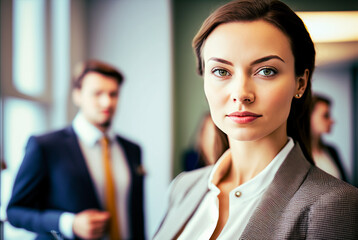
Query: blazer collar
(287, 181)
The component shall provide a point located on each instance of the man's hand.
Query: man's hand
(90, 224)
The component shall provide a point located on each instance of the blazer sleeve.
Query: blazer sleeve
(334, 215)
(26, 207)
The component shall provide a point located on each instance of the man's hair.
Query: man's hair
(97, 67)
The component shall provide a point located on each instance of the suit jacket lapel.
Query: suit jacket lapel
(128, 155)
(77, 159)
(286, 182)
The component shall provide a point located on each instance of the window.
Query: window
(29, 105)
(29, 46)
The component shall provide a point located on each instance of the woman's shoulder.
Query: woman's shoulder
(333, 206)
(190, 180)
(322, 185)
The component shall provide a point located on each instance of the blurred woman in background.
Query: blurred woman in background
(325, 156)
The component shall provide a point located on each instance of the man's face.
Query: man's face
(97, 99)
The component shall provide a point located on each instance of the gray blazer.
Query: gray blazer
(302, 202)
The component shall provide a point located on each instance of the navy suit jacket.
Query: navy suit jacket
(54, 178)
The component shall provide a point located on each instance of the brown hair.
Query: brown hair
(316, 98)
(282, 17)
(95, 66)
(210, 154)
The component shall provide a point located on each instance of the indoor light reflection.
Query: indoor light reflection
(331, 26)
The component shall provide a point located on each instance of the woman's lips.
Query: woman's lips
(243, 117)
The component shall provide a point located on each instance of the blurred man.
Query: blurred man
(84, 181)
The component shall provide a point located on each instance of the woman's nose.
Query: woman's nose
(245, 98)
(243, 91)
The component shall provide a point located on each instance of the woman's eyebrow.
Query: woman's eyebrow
(221, 61)
(266, 58)
(260, 60)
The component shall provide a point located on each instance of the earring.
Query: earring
(298, 95)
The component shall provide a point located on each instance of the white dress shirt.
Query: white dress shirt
(242, 200)
(89, 137)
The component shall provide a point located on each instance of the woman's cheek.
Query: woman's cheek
(279, 101)
(216, 102)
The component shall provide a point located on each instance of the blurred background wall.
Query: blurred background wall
(162, 99)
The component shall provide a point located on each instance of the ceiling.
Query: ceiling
(337, 53)
(322, 5)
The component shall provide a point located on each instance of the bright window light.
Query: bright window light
(331, 26)
(22, 118)
(29, 46)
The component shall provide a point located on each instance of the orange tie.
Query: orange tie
(110, 191)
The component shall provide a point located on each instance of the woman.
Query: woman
(257, 58)
(325, 156)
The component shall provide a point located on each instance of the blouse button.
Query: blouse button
(238, 194)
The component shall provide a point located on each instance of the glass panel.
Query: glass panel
(21, 119)
(29, 46)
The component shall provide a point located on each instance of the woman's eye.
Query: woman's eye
(221, 72)
(267, 72)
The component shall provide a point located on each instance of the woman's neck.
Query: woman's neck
(316, 142)
(249, 158)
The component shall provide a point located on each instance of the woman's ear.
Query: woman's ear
(301, 84)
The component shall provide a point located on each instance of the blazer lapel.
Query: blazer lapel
(286, 182)
(176, 220)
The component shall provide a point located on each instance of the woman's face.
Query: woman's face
(321, 121)
(249, 79)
